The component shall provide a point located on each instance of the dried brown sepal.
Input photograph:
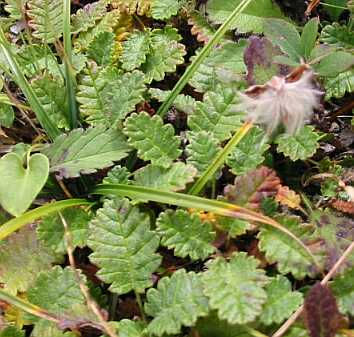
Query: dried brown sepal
(321, 312)
(343, 206)
(249, 190)
(288, 197)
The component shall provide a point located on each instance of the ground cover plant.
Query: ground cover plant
(176, 168)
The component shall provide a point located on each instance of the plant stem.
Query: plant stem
(201, 57)
(140, 304)
(254, 332)
(220, 159)
(69, 77)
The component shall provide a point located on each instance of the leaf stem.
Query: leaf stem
(201, 57)
(220, 158)
(141, 307)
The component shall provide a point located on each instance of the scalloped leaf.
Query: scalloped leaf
(281, 301)
(343, 289)
(338, 86)
(200, 27)
(173, 178)
(22, 251)
(235, 288)
(282, 250)
(141, 7)
(51, 230)
(201, 150)
(216, 114)
(166, 53)
(164, 9)
(15, 8)
(52, 96)
(249, 190)
(248, 154)
(12, 331)
(186, 234)
(101, 48)
(251, 19)
(88, 16)
(117, 175)
(182, 309)
(154, 140)
(128, 328)
(300, 146)
(123, 246)
(224, 62)
(46, 19)
(338, 35)
(48, 329)
(86, 151)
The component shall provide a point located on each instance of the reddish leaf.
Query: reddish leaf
(249, 190)
(322, 316)
(288, 197)
(344, 206)
(200, 27)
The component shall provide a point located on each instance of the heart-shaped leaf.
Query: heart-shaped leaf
(19, 185)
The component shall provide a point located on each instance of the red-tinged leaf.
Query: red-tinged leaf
(343, 206)
(249, 190)
(288, 197)
(322, 316)
(200, 27)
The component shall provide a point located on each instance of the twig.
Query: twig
(63, 187)
(329, 275)
(91, 303)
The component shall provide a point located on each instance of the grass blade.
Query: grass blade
(201, 57)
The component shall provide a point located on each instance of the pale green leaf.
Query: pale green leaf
(251, 19)
(26, 176)
(249, 153)
(51, 229)
(216, 114)
(15, 8)
(117, 175)
(164, 9)
(183, 308)
(343, 289)
(166, 53)
(22, 257)
(235, 288)
(335, 63)
(338, 35)
(123, 246)
(281, 249)
(225, 61)
(48, 329)
(101, 48)
(46, 19)
(201, 150)
(128, 328)
(234, 227)
(135, 49)
(52, 96)
(338, 86)
(281, 301)
(309, 37)
(7, 115)
(301, 146)
(173, 178)
(86, 151)
(186, 234)
(154, 140)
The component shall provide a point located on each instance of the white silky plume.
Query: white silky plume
(290, 103)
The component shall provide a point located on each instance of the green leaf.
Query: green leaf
(248, 154)
(101, 48)
(46, 19)
(343, 289)
(186, 234)
(12, 331)
(22, 252)
(285, 36)
(123, 247)
(338, 86)
(201, 150)
(281, 301)
(216, 114)
(27, 181)
(335, 8)
(88, 16)
(51, 95)
(281, 249)
(135, 49)
(117, 175)
(233, 227)
(251, 19)
(128, 328)
(203, 30)
(153, 140)
(309, 37)
(7, 115)
(226, 59)
(51, 229)
(48, 329)
(174, 178)
(235, 288)
(337, 35)
(164, 9)
(182, 309)
(335, 63)
(85, 151)
(15, 8)
(301, 146)
(165, 54)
